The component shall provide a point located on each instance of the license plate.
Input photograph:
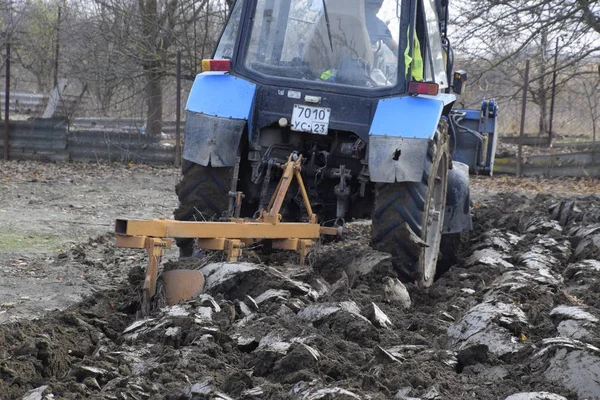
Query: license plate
(310, 119)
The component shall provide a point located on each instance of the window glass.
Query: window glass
(435, 57)
(346, 42)
(227, 42)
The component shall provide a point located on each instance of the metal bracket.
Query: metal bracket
(342, 191)
(232, 247)
(291, 169)
(155, 248)
(235, 197)
(363, 178)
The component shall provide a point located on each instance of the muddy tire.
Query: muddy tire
(203, 196)
(408, 217)
(449, 252)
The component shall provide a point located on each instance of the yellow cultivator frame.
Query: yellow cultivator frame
(231, 237)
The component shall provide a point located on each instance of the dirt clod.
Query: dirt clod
(514, 318)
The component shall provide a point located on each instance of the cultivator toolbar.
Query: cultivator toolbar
(231, 237)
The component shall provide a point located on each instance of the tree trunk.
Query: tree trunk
(593, 139)
(588, 14)
(152, 66)
(594, 127)
(154, 102)
(105, 100)
(543, 88)
(543, 126)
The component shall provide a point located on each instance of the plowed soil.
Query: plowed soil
(518, 312)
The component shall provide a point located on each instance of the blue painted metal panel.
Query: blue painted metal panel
(407, 117)
(476, 117)
(471, 148)
(446, 98)
(221, 95)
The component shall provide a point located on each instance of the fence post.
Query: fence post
(554, 73)
(178, 113)
(523, 111)
(7, 102)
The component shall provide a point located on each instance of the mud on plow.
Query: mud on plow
(229, 236)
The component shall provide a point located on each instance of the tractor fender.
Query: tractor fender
(400, 136)
(458, 200)
(217, 112)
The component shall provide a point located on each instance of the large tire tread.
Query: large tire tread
(202, 192)
(203, 196)
(399, 213)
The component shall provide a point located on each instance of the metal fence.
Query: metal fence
(526, 140)
(121, 125)
(33, 104)
(41, 139)
(574, 159)
(541, 142)
(89, 146)
(122, 140)
(582, 164)
(55, 140)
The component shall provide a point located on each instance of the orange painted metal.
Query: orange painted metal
(324, 230)
(208, 230)
(301, 246)
(134, 242)
(155, 248)
(232, 247)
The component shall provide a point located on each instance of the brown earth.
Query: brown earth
(279, 350)
(49, 210)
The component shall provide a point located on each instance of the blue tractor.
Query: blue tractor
(364, 91)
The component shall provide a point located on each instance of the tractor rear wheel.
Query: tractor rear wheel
(408, 217)
(203, 196)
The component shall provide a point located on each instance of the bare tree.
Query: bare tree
(33, 39)
(95, 56)
(498, 36)
(590, 88)
(120, 50)
(153, 32)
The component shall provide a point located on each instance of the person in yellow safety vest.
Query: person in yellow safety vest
(416, 60)
(378, 30)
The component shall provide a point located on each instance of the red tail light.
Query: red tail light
(216, 65)
(423, 88)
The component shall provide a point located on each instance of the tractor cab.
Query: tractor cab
(349, 46)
